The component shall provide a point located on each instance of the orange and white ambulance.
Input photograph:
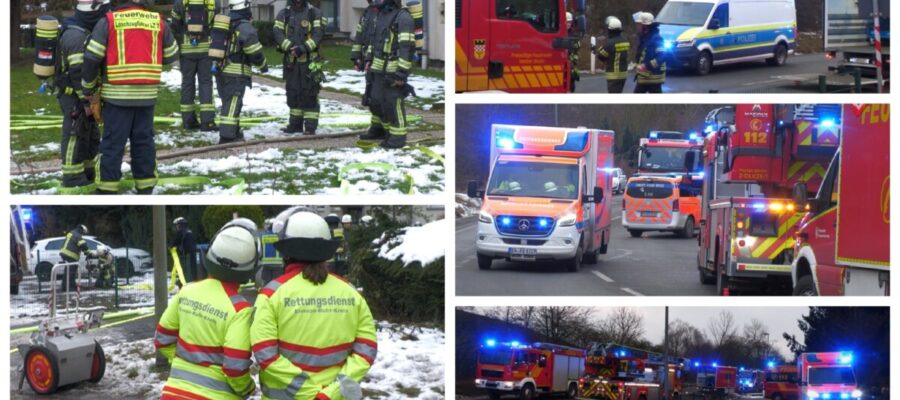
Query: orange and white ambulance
(547, 196)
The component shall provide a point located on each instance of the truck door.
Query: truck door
(821, 230)
(473, 29)
(526, 49)
(591, 233)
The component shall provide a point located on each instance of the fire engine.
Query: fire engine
(546, 196)
(827, 376)
(617, 372)
(753, 155)
(528, 370)
(750, 380)
(842, 242)
(716, 380)
(520, 46)
(657, 197)
(781, 383)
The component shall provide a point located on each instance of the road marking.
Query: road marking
(467, 227)
(601, 276)
(631, 292)
(620, 216)
(465, 262)
(625, 254)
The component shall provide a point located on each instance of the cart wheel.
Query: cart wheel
(98, 366)
(42, 370)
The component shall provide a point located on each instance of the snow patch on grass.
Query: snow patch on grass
(417, 243)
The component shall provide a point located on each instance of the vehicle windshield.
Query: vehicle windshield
(664, 159)
(649, 190)
(495, 356)
(684, 13)
(534, 179)
(831, 375)
(543, 15)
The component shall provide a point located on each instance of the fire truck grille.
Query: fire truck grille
(524, 226)
(487, 373)
(529, 242)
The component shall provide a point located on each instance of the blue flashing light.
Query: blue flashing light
(514, 343)
(542, 222)
(742, 369)
(505, 220)
(709, 129)
(759, 206)
(654, 135)
(845, 395)
(696, 363)
(846, 358)
(827, 123)
(826, 395)
(770, 364)
(700, 175)
(667, 45)
(26, 214)
(505, 143)
(693, 136)
(490, 342)
(715, 364)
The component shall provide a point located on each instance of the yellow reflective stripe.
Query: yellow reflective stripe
(285, 44)
(406, 37)
(623, 46)
(131, 75)
(253, 48)
(317, 23)
(404, 64)
(168, 51)
(392, 66)
(120, 41)
(310, 115)
(76, 58)
(96, 48)
(311, 44)
(616, 75)
(107, 186)
(154, 67)
(279, 24)
(145, 183)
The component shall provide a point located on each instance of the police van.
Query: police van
(698, 34)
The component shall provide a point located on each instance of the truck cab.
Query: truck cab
(781, 383)
(547, 196)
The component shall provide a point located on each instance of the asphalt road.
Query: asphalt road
(656, 264)
(749, 77)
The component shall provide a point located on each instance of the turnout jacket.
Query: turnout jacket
(74, 246)
(394, 42)
(301, 27)
(365, 35)
(614, 54)
(244, 50)
(651, 55)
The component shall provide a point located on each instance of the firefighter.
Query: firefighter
(70, 253)
(651, 63)
(347, 223)
(104, 268)
(80, 135)
(573, 51)
(361, 52)
(307, 349)
(185, 244)
(191, 23)
(615, 55)
(205, 331)
(122, 45)
(391, 65)
(366, 220)
(244, 51)
(298, 32)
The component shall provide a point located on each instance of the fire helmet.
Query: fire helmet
(366, 219)
(347, 219)
(569, 17)
(83, 229)
(90, 5)
(102, 250)
(304, 236)
(235, 5)
(179, 221)
(234, 252)
(613, 23)
(643, 18)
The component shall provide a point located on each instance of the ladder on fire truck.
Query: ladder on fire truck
(610, 367)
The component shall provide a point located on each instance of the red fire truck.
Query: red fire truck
(827, 375)
(843, 241)
(514, 46)
(617, 372)
(781, 383)
(528, 370)
(716, 380)
(753, 155)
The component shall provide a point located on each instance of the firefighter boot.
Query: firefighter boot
(209, 127)
(375, 132)
(291, 128)
(394, 142)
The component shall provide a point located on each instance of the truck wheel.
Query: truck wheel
(43, 271)
(573, 391)
(590, 257)
(779, 57)
(484, 262)
(635, 234)
(527, 392)
(806, 287)
(706, 278)
(688, 230)
(41, 370)
(776, 396)
(98, 365)
(575, 263)
(704, 62)
(605, 246)
(494, 395)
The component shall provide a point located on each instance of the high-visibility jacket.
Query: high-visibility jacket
(73, 246)
(615, 54)
(651, 55)
(309, 338)
(134, 44)
(205, 333)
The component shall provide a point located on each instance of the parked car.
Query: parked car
(619, 180)
(45, 254)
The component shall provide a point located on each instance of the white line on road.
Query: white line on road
(625, 254)
(631, 292)
(601, 276)
(465, 262)
(620, 216)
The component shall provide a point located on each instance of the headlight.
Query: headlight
(812, 394)
(856, 393)
(684, 43)
(567, 220)
(485, 217)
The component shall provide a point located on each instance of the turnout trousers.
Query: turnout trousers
(77, 153)
(302, 96)
(122, 125)
(388, 110)
(196, 74)
(232, 92)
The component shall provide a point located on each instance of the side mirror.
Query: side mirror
(713, 24)
(580, 25)
(801, 199)
(596, 197)
(690, 159)
(472, 190)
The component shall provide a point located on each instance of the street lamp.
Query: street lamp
(766, 334)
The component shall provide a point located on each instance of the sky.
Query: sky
(778, 319)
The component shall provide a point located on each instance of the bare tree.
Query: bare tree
(563, 324)
(525, 316)
(756, 335)
(625, 326)
(722, 328)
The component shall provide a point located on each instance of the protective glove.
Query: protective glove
(397, 79)
(298, 50)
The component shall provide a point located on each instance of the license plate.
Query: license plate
(648, 213)
(491, 384)
(855, 60)
(522, 253)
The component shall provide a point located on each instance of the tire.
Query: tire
(704, 63)
(590, 257)
(41, 370)
(805, 287)
(43, 271)
(124, 268)
(573, 391)
(98, 365)
(688, 230)
(779, 56)
(527, 392)
(776, 396)
(575, 263)
(635, 233)
(484, 262)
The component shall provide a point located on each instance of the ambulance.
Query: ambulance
(547, 196)
(528, 371)
(827, 375)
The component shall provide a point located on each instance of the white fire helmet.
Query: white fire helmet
(347, 219)
(613, 23)
(234, 252)
(304, 236)
(643, 18)
(235, 5)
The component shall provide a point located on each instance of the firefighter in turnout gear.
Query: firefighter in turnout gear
(205, 331)
(105, 262)
(361, 52)
(80, 134)
(298, 33)
(615, 55)
(244, 52)
(71, 253)
(651, 63)
(130, 46)
(191, 23)
(185, 244)
(313, 334)
(393, 49)
(573, 52)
